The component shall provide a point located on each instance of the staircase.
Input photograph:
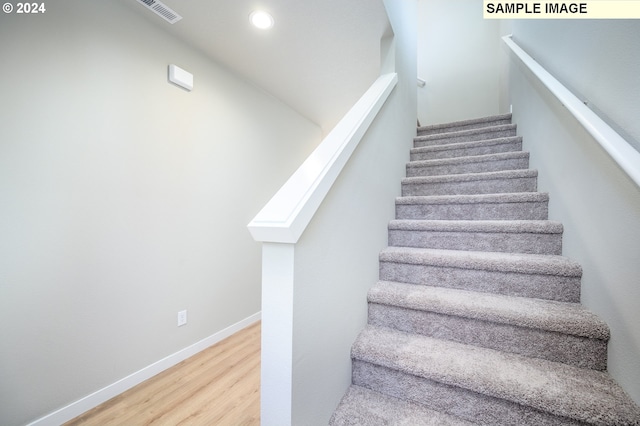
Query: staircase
(476, 318)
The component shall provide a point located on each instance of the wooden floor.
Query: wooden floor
(218, 386)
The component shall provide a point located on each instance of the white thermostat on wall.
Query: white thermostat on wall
(180, 77)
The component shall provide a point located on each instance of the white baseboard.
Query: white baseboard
(85, 404)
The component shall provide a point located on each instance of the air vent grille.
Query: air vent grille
(162, 10)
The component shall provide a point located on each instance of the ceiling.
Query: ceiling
(319, 58)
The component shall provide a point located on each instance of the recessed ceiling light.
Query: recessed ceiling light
(261, 19)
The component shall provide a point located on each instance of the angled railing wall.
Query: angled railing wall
(616, 146)
(593, 177)
(305, 335)
(287, 214)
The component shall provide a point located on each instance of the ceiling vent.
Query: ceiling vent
(161, 10)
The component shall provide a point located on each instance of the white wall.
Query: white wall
(458, 55)
(336, 259)
(123, 199)
(597, 60)
(597, 202)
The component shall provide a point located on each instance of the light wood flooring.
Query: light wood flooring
(218, 386)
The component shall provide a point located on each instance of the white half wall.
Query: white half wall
(123, 199)
(458, 55)
(597, 202)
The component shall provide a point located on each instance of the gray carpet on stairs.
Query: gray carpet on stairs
(473, 148)
(514, 274)
(561, 390)
(482, 133)
(475, 123)
(374, 408)
(514, 160)
(518, 206)
(476, 318)
(514, 236)
(556, 331)
(471, 183)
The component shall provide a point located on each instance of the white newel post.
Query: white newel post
(277, 334)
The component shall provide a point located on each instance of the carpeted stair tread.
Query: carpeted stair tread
(465, 124)
(503, 262)
(512, 236)
(476, 198)
(491, 132)
(514, 274)
(566, 391)
(513, 143)
(507, 181)
(488, 226)
(466, 177)
(549, 315)
(465, 404)
(484, 147)
(469, 164)
(468, 159)
(526, 326)
(506, 206)
(365, 407)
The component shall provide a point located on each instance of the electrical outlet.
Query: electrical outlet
(182, 318)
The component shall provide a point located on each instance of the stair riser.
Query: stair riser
(365, 407)
(553, 346)
(479, 241)
(465, 404)
(417, 143)
(486, 211)
(485, 186)
(551, 287)
(480, 167)
(463, 127)
(465, 152)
